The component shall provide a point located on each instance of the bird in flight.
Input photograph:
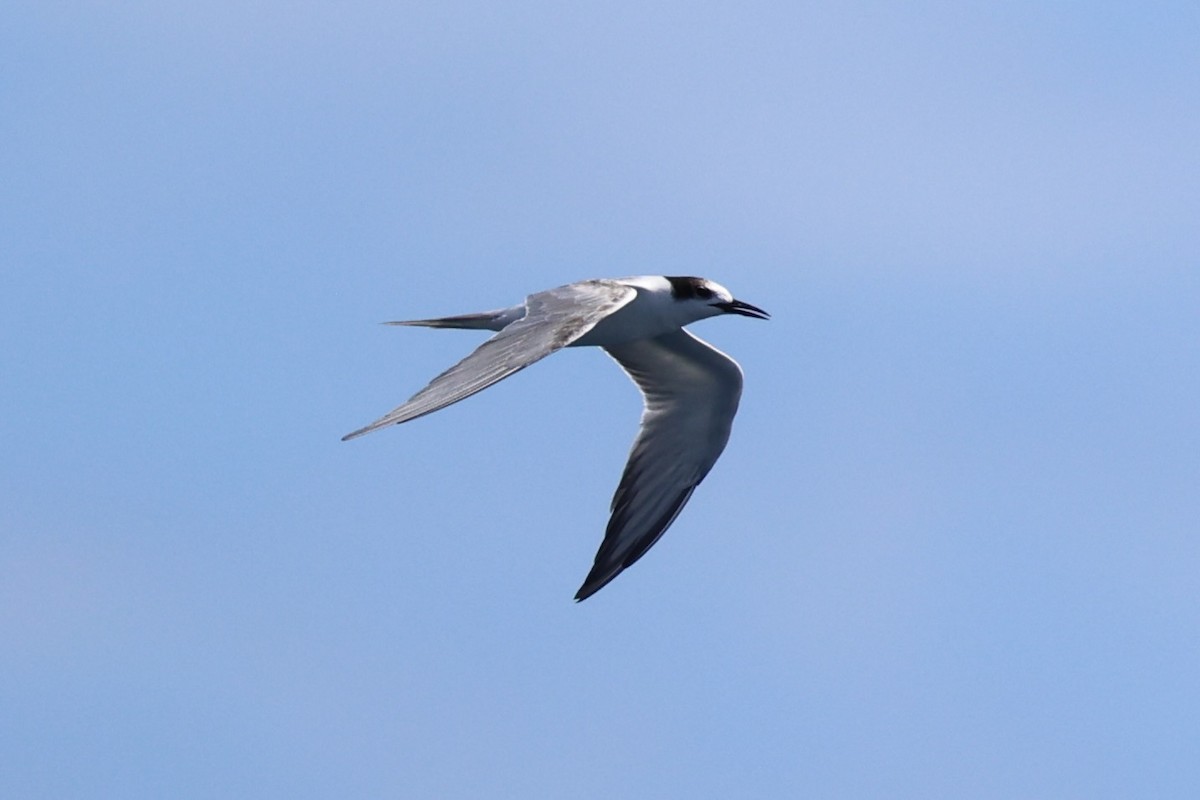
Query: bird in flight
(689, 388)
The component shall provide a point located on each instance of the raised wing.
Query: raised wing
(553, 319)
(691, 391)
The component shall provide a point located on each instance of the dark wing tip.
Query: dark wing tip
(606, 567)
(595, 583)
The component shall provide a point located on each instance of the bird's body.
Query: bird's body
(691, 390)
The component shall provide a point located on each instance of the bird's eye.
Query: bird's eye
(703, 292)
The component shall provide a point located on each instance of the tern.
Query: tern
(689, 388)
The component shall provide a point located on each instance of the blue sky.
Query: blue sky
(951, 550)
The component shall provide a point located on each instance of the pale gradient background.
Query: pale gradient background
(953, 549)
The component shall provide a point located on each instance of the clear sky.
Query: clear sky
(952, 550)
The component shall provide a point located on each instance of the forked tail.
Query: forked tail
(485, 321)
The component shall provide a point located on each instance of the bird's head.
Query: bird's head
(708, 298)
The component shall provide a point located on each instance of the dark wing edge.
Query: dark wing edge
(608, 564)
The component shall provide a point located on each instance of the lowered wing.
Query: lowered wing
(691, 392)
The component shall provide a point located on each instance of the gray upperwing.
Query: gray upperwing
(553, 319)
